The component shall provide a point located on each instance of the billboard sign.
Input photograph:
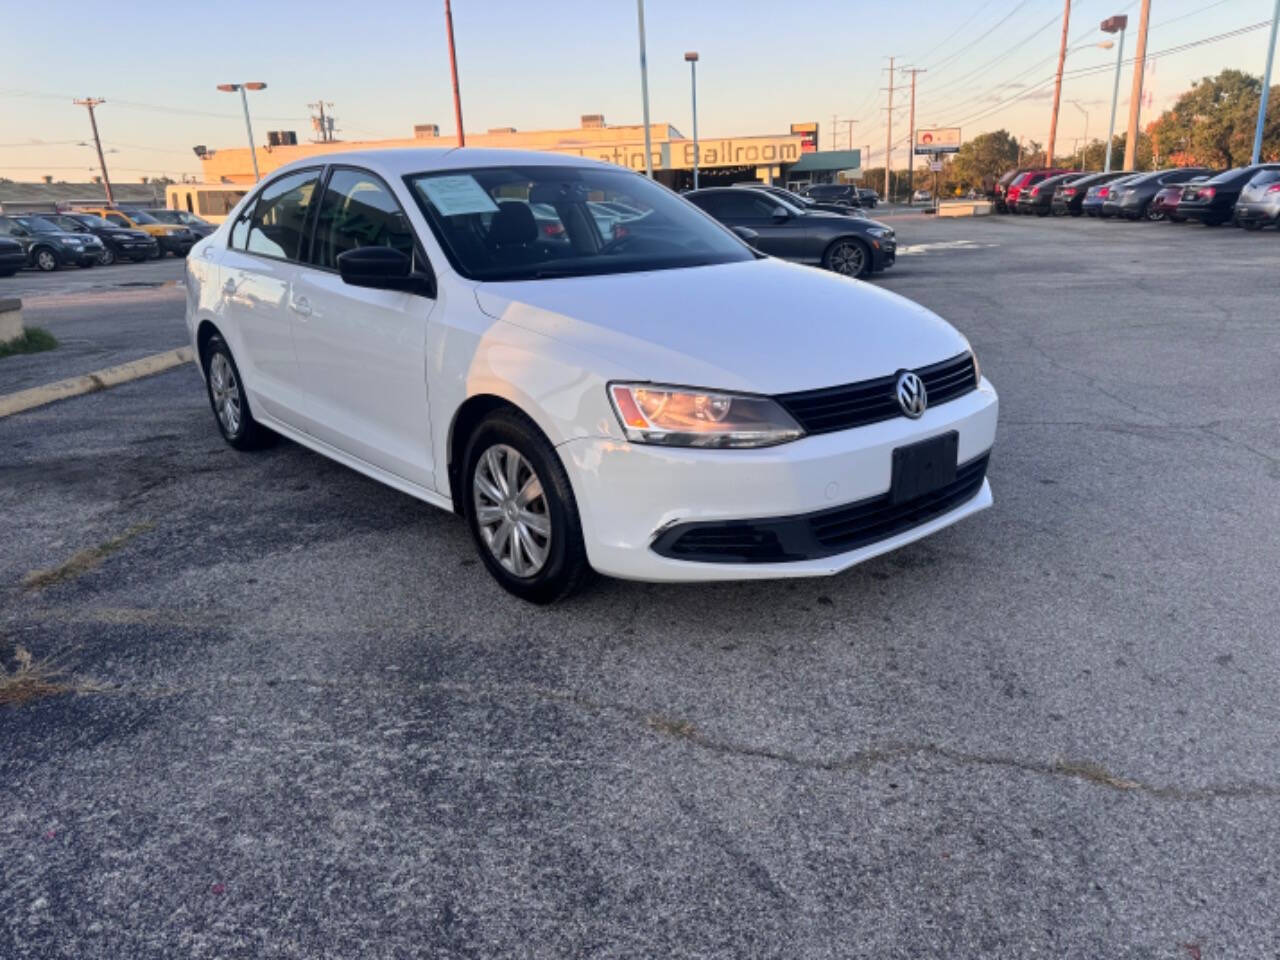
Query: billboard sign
(938, 140)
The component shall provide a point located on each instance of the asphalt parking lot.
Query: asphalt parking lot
(308, 724)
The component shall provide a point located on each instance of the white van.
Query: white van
(208, 201)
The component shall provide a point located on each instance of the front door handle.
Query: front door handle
(301, 306)
(229, 288)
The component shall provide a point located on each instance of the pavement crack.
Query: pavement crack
(83, 561)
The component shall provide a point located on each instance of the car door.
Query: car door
(362, 352)
(257, 269)
(742, 208)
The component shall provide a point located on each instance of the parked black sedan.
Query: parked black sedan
(117, 242)
(1068, 198)
(804, 203)
(1259, 203)
(1213, 201)
(49, 247)
(180, 218)
(13, 256)
(853, 246)
(1039, 199)
(1133, 200)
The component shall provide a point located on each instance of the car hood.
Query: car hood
(764, 326)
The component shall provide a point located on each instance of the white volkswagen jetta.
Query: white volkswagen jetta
(590, 370)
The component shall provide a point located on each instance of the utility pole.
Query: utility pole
(1135, 97)
(453, 70)
(888, 137)
(851, 123)
(1057, 83)
(834, 121)
(92, 102)
(1266, 87)
(322, 124)
(911, 124)
(644, 92)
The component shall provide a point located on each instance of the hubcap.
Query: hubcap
(847, 259)
(45, 260)
(107, 257)
(511, 510)
(225, 392)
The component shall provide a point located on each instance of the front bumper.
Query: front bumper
(884, 252)
(176, 244)
(630, 494)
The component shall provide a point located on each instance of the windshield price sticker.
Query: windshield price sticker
(456, 195)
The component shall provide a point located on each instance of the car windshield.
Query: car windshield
(97, 223)
(537, 222)
(137, 216)
(165, 216)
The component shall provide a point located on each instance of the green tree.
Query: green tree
(1213, 122)
(982, 160)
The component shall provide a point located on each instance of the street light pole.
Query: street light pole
(244, 101)
(92, 102)
(1266, 86)
(644, 92)
(692, 57)
(1114, 24)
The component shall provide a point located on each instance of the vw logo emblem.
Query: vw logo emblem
(911, 394)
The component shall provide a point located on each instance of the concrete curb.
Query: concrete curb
(92, 382)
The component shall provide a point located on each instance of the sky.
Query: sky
(541, 65)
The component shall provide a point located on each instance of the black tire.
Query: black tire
(44, 259)
(849, 257)
(107, 257)
(156, 254)
(1074, 212)
(140, 259)
(242, 432)
(1251, 224)
(564, 569)
(1151, 213)
(86, 266)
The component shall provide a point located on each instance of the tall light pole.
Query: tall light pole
(1114, 24)
(1266, 86)
(1076, 104)
(453, 71)
(692, 58)
(244, 100)
(1135, 98)
(644, 92)
(92, 102)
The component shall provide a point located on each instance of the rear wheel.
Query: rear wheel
(1153, 213)
(849, 257)
(228, 399)
(521, 510)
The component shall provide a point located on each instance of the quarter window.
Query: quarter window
(358, 211)
(277, 226)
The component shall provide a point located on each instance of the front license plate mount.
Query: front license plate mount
(921, 468)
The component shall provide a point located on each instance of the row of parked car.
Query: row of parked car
(95, 236)
(1248, 196)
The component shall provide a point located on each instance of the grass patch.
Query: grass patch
(33, 340)
(83, 561)
(27, 679)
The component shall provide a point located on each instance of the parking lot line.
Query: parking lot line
(92, 382)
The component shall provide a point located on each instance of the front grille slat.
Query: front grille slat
(829, 409)
(820, 534)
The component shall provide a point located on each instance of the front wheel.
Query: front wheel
(107, 257)
(228, 399)
(848, 257)
(46, 260)
(521, 510)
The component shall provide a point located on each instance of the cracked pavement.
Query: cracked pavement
(313, 727)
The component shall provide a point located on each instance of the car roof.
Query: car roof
(399, 162)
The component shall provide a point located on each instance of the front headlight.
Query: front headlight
(688, 417)
(880, 232)
(72, 241)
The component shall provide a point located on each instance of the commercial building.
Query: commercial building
(783, 158)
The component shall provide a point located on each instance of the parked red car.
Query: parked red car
(1025, 180)
(1164, 205)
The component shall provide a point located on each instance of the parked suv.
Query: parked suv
(201, 228)
(48, 246)
(117, 242)
(842, 194)
(170, 237)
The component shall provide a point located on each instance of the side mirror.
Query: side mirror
(382, 268)
(781, 214)
(747, 234)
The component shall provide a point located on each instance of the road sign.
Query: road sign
(935, 166)
(939, 140)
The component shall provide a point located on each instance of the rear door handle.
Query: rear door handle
(301, 306)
